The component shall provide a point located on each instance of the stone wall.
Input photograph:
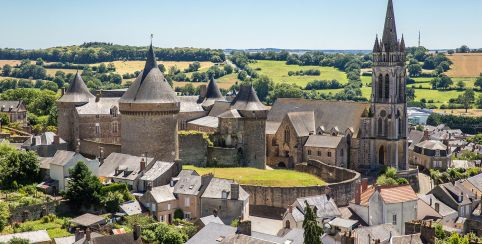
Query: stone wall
(91, 148)
(32, 212)
(193, 149)
(341, 186)
(223, 156)
(412, 176)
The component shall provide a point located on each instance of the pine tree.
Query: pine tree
(312, 230)
(83, 188)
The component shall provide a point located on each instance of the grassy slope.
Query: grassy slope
(278, 71)
(251, 176)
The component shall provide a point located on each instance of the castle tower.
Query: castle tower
(388, 100)
(78, 94)
(254, 115)
(213, 94)
(149, 111)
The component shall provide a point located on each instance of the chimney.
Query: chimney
(430, 201)
(364, 183)
(357, 193)
(149, 186)
(142, 165)
(34, 140)
(234, 191)
(98, 94)
(77, 146)
(87, 234)
(215, 213)
(437, 207)
(290, 209)
(56, 139)
(244, 228)
(202, 91)
(377, 241)
(137, 232)
(101, 155)
(461, 198)
(426, 136)
(79, 234)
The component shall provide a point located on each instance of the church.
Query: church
(146, 119)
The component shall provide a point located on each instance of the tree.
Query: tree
(102, 68)
(4, 214)
(312, 231)
(6, 70)
(463, 49)
(410, 92)
(414, 70)
(467, 98)
(178, 214)
(439, 232)
(478, 82)
(18, 240)
(263, 85)
(112, 201)
(84, 188)
(4, 119)
(51, 86)
(39, 62)
(460, 84)
(242, 75)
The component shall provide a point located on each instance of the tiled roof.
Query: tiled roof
(398, 194)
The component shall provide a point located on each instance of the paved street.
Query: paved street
(425, 183)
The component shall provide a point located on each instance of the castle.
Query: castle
(145, 119)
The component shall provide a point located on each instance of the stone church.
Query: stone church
(361, 136)
(145, 120)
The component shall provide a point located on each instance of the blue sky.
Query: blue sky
(302, 24)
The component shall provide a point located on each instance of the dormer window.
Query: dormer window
(114, 111)
(224, 194)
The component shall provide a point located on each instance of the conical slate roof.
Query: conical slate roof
(77, 92)
(150, 86)
(389, 40)
(213, 94)
(247, 100)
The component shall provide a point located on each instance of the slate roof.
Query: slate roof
(381, 232)
(214, 233)
(131, 207)
(326, 208)
(232, 113)
(213, 94)
(476, 181)
(126, 238)
(188, 184)
(432, 145)
(323, 141)
(162, 193)
(406, 239)
(444, 210)
(87, 220)
(11, 106)
(218, 108)
(39, 236)
(150, 86)
(303, 122)
(77, 92)
(125, 161)
(217, 186)
(190, 104)
(415, 136)
(211, 219)
(247, 100)
(206, 121)
(329, 114)
(344, 223)
(46, 138)
(453, 191)
(158, 169)
(103, 106)
(62, 158)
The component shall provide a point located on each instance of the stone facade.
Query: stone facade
(193, 149)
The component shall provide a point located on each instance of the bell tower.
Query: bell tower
(388, 99)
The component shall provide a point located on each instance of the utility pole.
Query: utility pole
(419, 38)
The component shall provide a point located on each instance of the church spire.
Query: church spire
(376, 46)
(389, 39)
(402, 44)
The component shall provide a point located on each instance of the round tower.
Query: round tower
(78, 94)
(149, 110)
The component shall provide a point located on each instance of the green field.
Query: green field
(252, 176)
(278, 72)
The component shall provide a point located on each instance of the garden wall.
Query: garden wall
(341, 186)
(32, 212)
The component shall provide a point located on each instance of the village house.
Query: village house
(45, 144)
(385, 204)
(15, 111)
(457, 197)
(188, 188)
(429, 207)
(431, 154)
(324, 207)
(161, 203)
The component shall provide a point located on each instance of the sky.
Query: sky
(240, 24)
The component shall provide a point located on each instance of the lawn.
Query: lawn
(54, 228)
(278, 72)
(252, 176)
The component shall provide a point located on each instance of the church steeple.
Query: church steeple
(389, 39)
(376, 46)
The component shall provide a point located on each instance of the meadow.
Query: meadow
(465, 65)
(252, 176)
(278, 72)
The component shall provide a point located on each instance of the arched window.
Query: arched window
(115, 127)
(287, 135)
(380, 126)
(387, 86)
(380, 86)
(385, 129)
(114, 111)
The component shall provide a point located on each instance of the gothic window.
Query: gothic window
(400, 127)
(115, 127)
(380, 126)
(385, 129)
(387, 86)
(309, 152)
(287, 135)
(380, 86)
(97, 128)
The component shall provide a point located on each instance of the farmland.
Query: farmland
(123, 67)
(465, 65)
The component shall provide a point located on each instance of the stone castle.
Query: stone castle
(145, 120)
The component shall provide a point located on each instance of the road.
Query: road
(425, 183)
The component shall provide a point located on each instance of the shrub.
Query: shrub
(178, 214)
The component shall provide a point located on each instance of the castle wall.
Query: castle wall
(65, 122)
(223, 156)
(193, 149)
(91, 148)
(88, 123)
(254, 144)
(341, 186)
